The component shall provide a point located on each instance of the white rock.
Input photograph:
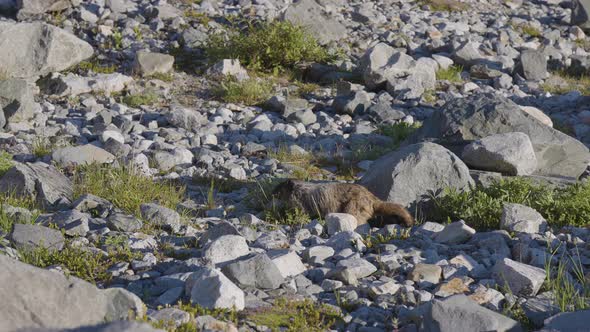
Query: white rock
(226, 248)
(340, 222)
(288, 263)
(454, 233)
(521, 218)
(522, 279)
(211, 289)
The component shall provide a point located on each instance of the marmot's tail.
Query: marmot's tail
(392, 213)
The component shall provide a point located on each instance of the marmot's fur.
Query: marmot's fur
(319, 199)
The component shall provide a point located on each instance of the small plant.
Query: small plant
(148, 98)
(6, 220)
(166, 77)
(294, 316)
(481, 207)
(451, 74)
(95, 67)
(138, 33)
(117, 40)
(372, 241)
(125, 187)
(211, 196)
(570, 292)
(199, 17)
(565, 81)
(444, 5)
(399, 132)
(429, 96)
(252, 91)
(5, 162)
(530, 30)
(271, 47)
(42, 147)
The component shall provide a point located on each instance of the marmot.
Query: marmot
(319, 199)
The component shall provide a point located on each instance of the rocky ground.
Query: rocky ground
(140, 148)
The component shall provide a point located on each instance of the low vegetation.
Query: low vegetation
(95, 66)
(125, 187)
(5, 162)
(564, 81)
(294, 316)
(147, 98)
(7, 220)
(444, 5)
(268, 46)
(451, 74)
(567, 282)
(249, 92)
(481, 207)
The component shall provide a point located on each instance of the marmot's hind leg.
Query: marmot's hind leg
(392, 213)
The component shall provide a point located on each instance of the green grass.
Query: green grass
(249, 92)
(42, 147)
(79, 262)
(6, 221)
(148, 98)
(444, 5)
(372, 241)
(451, 74)
(530, 30)
(96, 67)
(125, 187)
(166, 77)
(399, 132)
(569, 82)
(481, 207)
(270, 47)
(5, 162)
(296, 316)
(567, 295)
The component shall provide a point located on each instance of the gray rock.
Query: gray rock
(568, 321)
(226, 248)
(41, 294)
(73, 222)
(287, 106)
(411, 173)
(148, 63)
(32, 8)
(288, 262)
(211, 289)
(467, 119)
(317, 254)
(522, 279)
(533, 65)
(509, 153)
(356, 103)
(340, 222)
(161, 216)
(167, 160)
(74, 85)
(44, 183)
(539, 308)
(93, 205)
(188, 119)
(521, 218)
(382, 62)
(305, 117)
(459, 313)
(228, 68)
(173, 315)
(467, 54)
(310, 14)
(82, 155)
(359, 267)
(17, 101)
(117, 326)
(123, 222)
(455, 233)
(32, 236)
(35, 49)
(581, 14)
(429, 273)
(256, 271)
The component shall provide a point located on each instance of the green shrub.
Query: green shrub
(482, 207)
(249, 92)
(294, 316)
(451, 74)
(270, 47)
(125, 187)
(5, 162)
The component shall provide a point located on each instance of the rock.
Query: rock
(539, 308)
(208, 323)
(148, 63)
(523, 219)
(318, 254)
(255, 271)
(226, 248)
(581, 14)
(123, 223)
(42, 182)
(381, 62)
(57, 300)
(167, 160)
(32, 8)
(188, 119)
(359, 267)
(454, 233)
(287, 106)
(161, 216)
(567, 321)
(426, 273)
(17, 102)
(73, 222)
(310, 14)
(288, 262)
(74, 85)
(174, 315)
(93, 205)
(340, 222)
(451, 287)
(467, 54)
(82, 155)
(459, 313)
(522, 279)
(533, 65)
(537, 114)
(35, 49)
(383, 287)
(356, 103)
(467, 119)
(411, 173)
(228, 68)
(211, 289)
(32, 236)
(509, 153)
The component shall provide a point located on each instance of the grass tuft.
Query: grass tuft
(293, 316)
(445, 5)
(451, 74)
(565, 81)
(147, 98)
(249, 92)
(270, 47)
(481, 207)
(125, 187)
(5, 162)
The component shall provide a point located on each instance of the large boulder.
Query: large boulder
(41, 298)
(460, 313)
(30, 50)
(464, 120)
(33, 236)
(72, 85)
(255, 271)
(17, 102)
(147, 63)
(82, 155)
(44, 183)
(568, 321)
(211, 289)
(581, 14)
(311, 15)
(32, 8)
(509, 153)
(522, 279)
(412, 173)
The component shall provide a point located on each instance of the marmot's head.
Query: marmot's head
(284, 190)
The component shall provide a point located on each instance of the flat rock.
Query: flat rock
(211, 289)
(521, 218)
(226, 248)
(255, 271)
(32, 236)
(82, 155)
(310, 14)
(454, 233)
(522, 279)
(149, 63)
